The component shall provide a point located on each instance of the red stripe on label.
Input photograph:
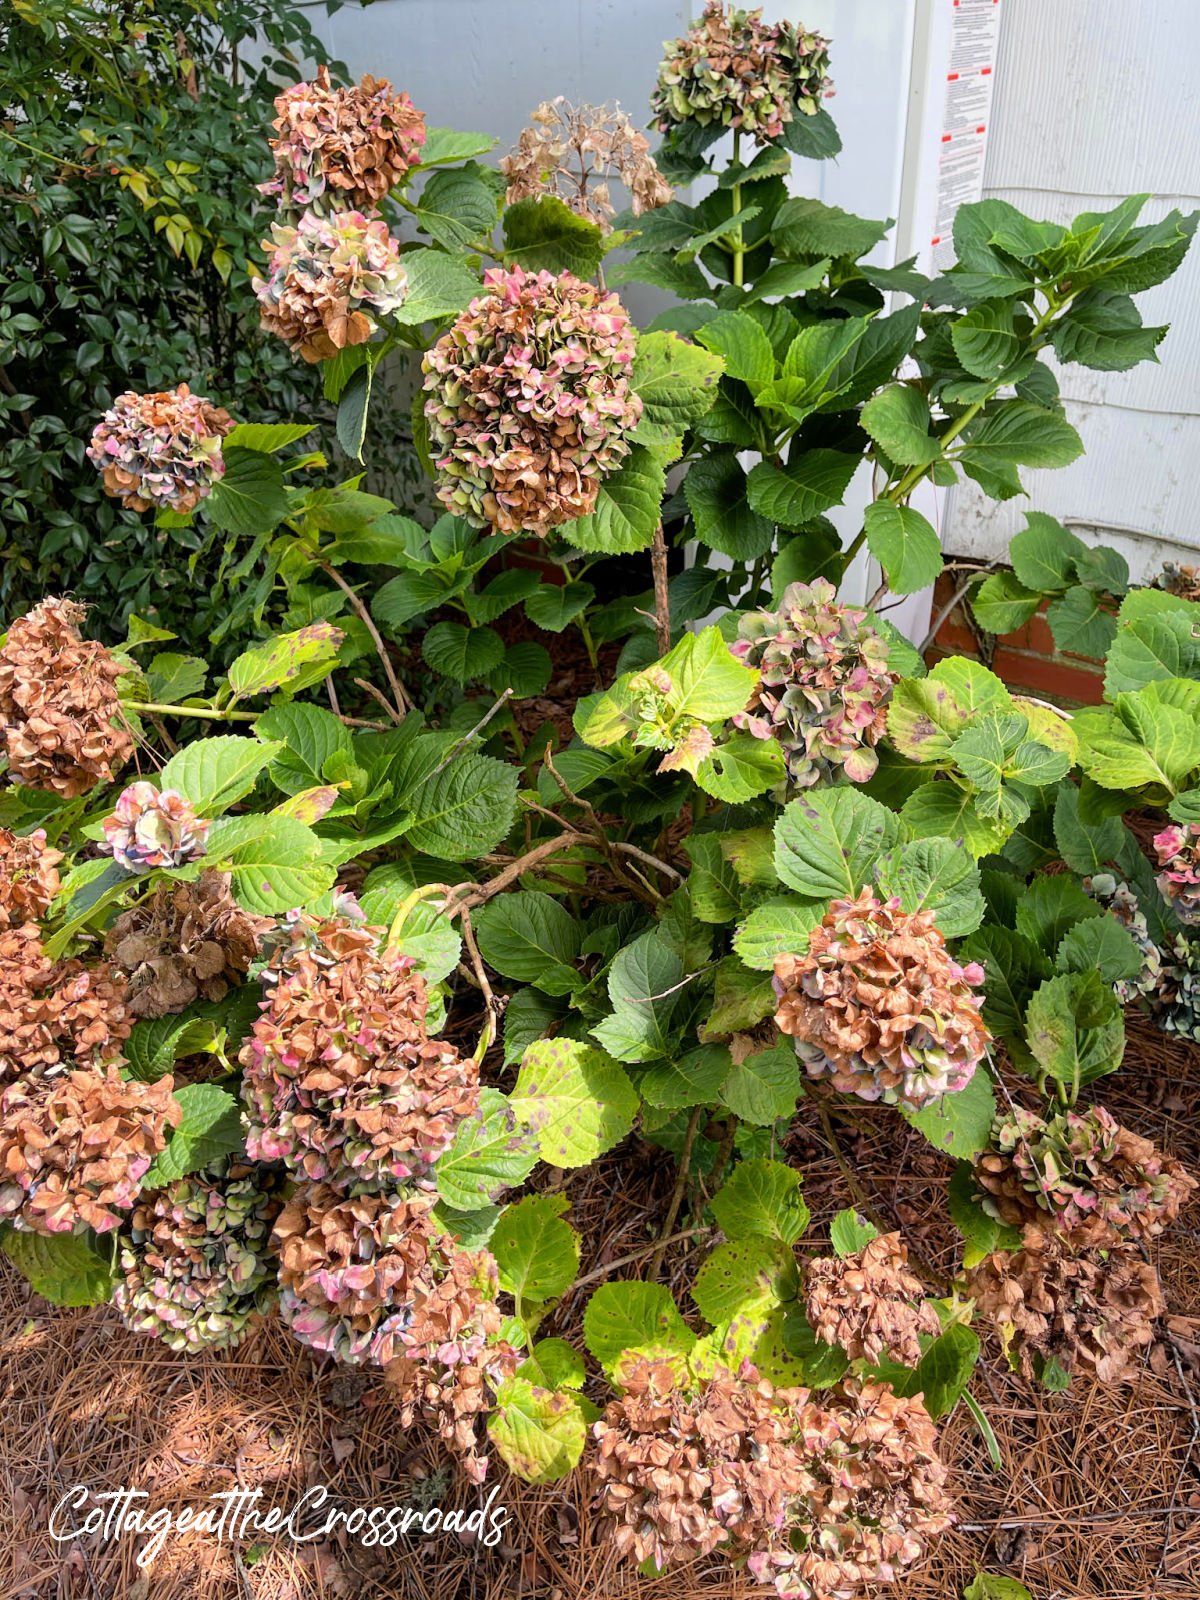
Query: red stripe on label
(938, 240)
(985, 72)
(952, 77)
(982, 128)
(946, 138)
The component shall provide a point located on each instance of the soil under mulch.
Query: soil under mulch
(1099, 1494)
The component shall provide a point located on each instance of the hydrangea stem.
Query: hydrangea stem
(739, 249)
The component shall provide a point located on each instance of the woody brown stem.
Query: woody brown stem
(662, 597)
(402, 701)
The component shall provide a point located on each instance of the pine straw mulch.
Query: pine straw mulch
(1099, 1495)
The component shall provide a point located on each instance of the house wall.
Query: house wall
(1096, 100)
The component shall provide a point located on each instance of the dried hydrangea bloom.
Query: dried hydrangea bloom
(1098, 1181)
(184, 942)
(880, 1007)
(1181, 580)
(869, 1303)
(454, 1354)
(1174, 1002)
(529, 403)
(75, 1147)
(572, 152)
(341, 1081)
(823, 684)
(878, 1500)
(1090, 1310)
(1112, 892)
(151, 827)
(329, 281)
(28, 877)
(734, 70)
(1178, 851)
(342, 148)
(818, 1493)
(53, 1013)
(162, 451)
(357, 1270)
(197, 1260)
(57, 703)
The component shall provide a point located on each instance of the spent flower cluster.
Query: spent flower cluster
(823, 684)
(161, 451)
(530, 405)
(879, 1006)
(734, 70)
(573, 152)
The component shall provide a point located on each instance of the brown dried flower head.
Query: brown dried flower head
(52, 1013)
(870, 1303)
(57, 703)
(529, 401)
(371, 1278)
(341, 1081)
(185, 942)
(880, 1007)
(329, 281)
(1097, 1181)
(1090, 1310)
(572, 152)
(75, 1147)
(28, 877)
(819, 1493)
(455, 1356)
(160, 451)
(342, 148)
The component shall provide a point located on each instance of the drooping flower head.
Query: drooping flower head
(151, 827)
(197, 1260)
(1178, 850)
(341, 1081)
(454, 1354)
(880, 1007)
(1091, 1310)
(869, 1303)
(734, 70)
(1096, 1180)
(56, 1013)
(1174, 1002)
(28, 877)
(342, 149)
(184, 942)
(75, 1147)
(819, 1493)
(329, 281)
(529, 403)
(57, 703)
(573, 151)
(160, 451)
(371, 1278)
(1180, 580)
(823, 684)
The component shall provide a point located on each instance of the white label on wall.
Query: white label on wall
(967, 104)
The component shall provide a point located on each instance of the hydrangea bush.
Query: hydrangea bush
(480, 868)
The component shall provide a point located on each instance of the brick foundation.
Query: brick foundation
(1027, 660)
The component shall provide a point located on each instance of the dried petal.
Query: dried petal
(342, 148)
(341, 1081)
(869, 1303)
(568, 151)
(28, 877)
